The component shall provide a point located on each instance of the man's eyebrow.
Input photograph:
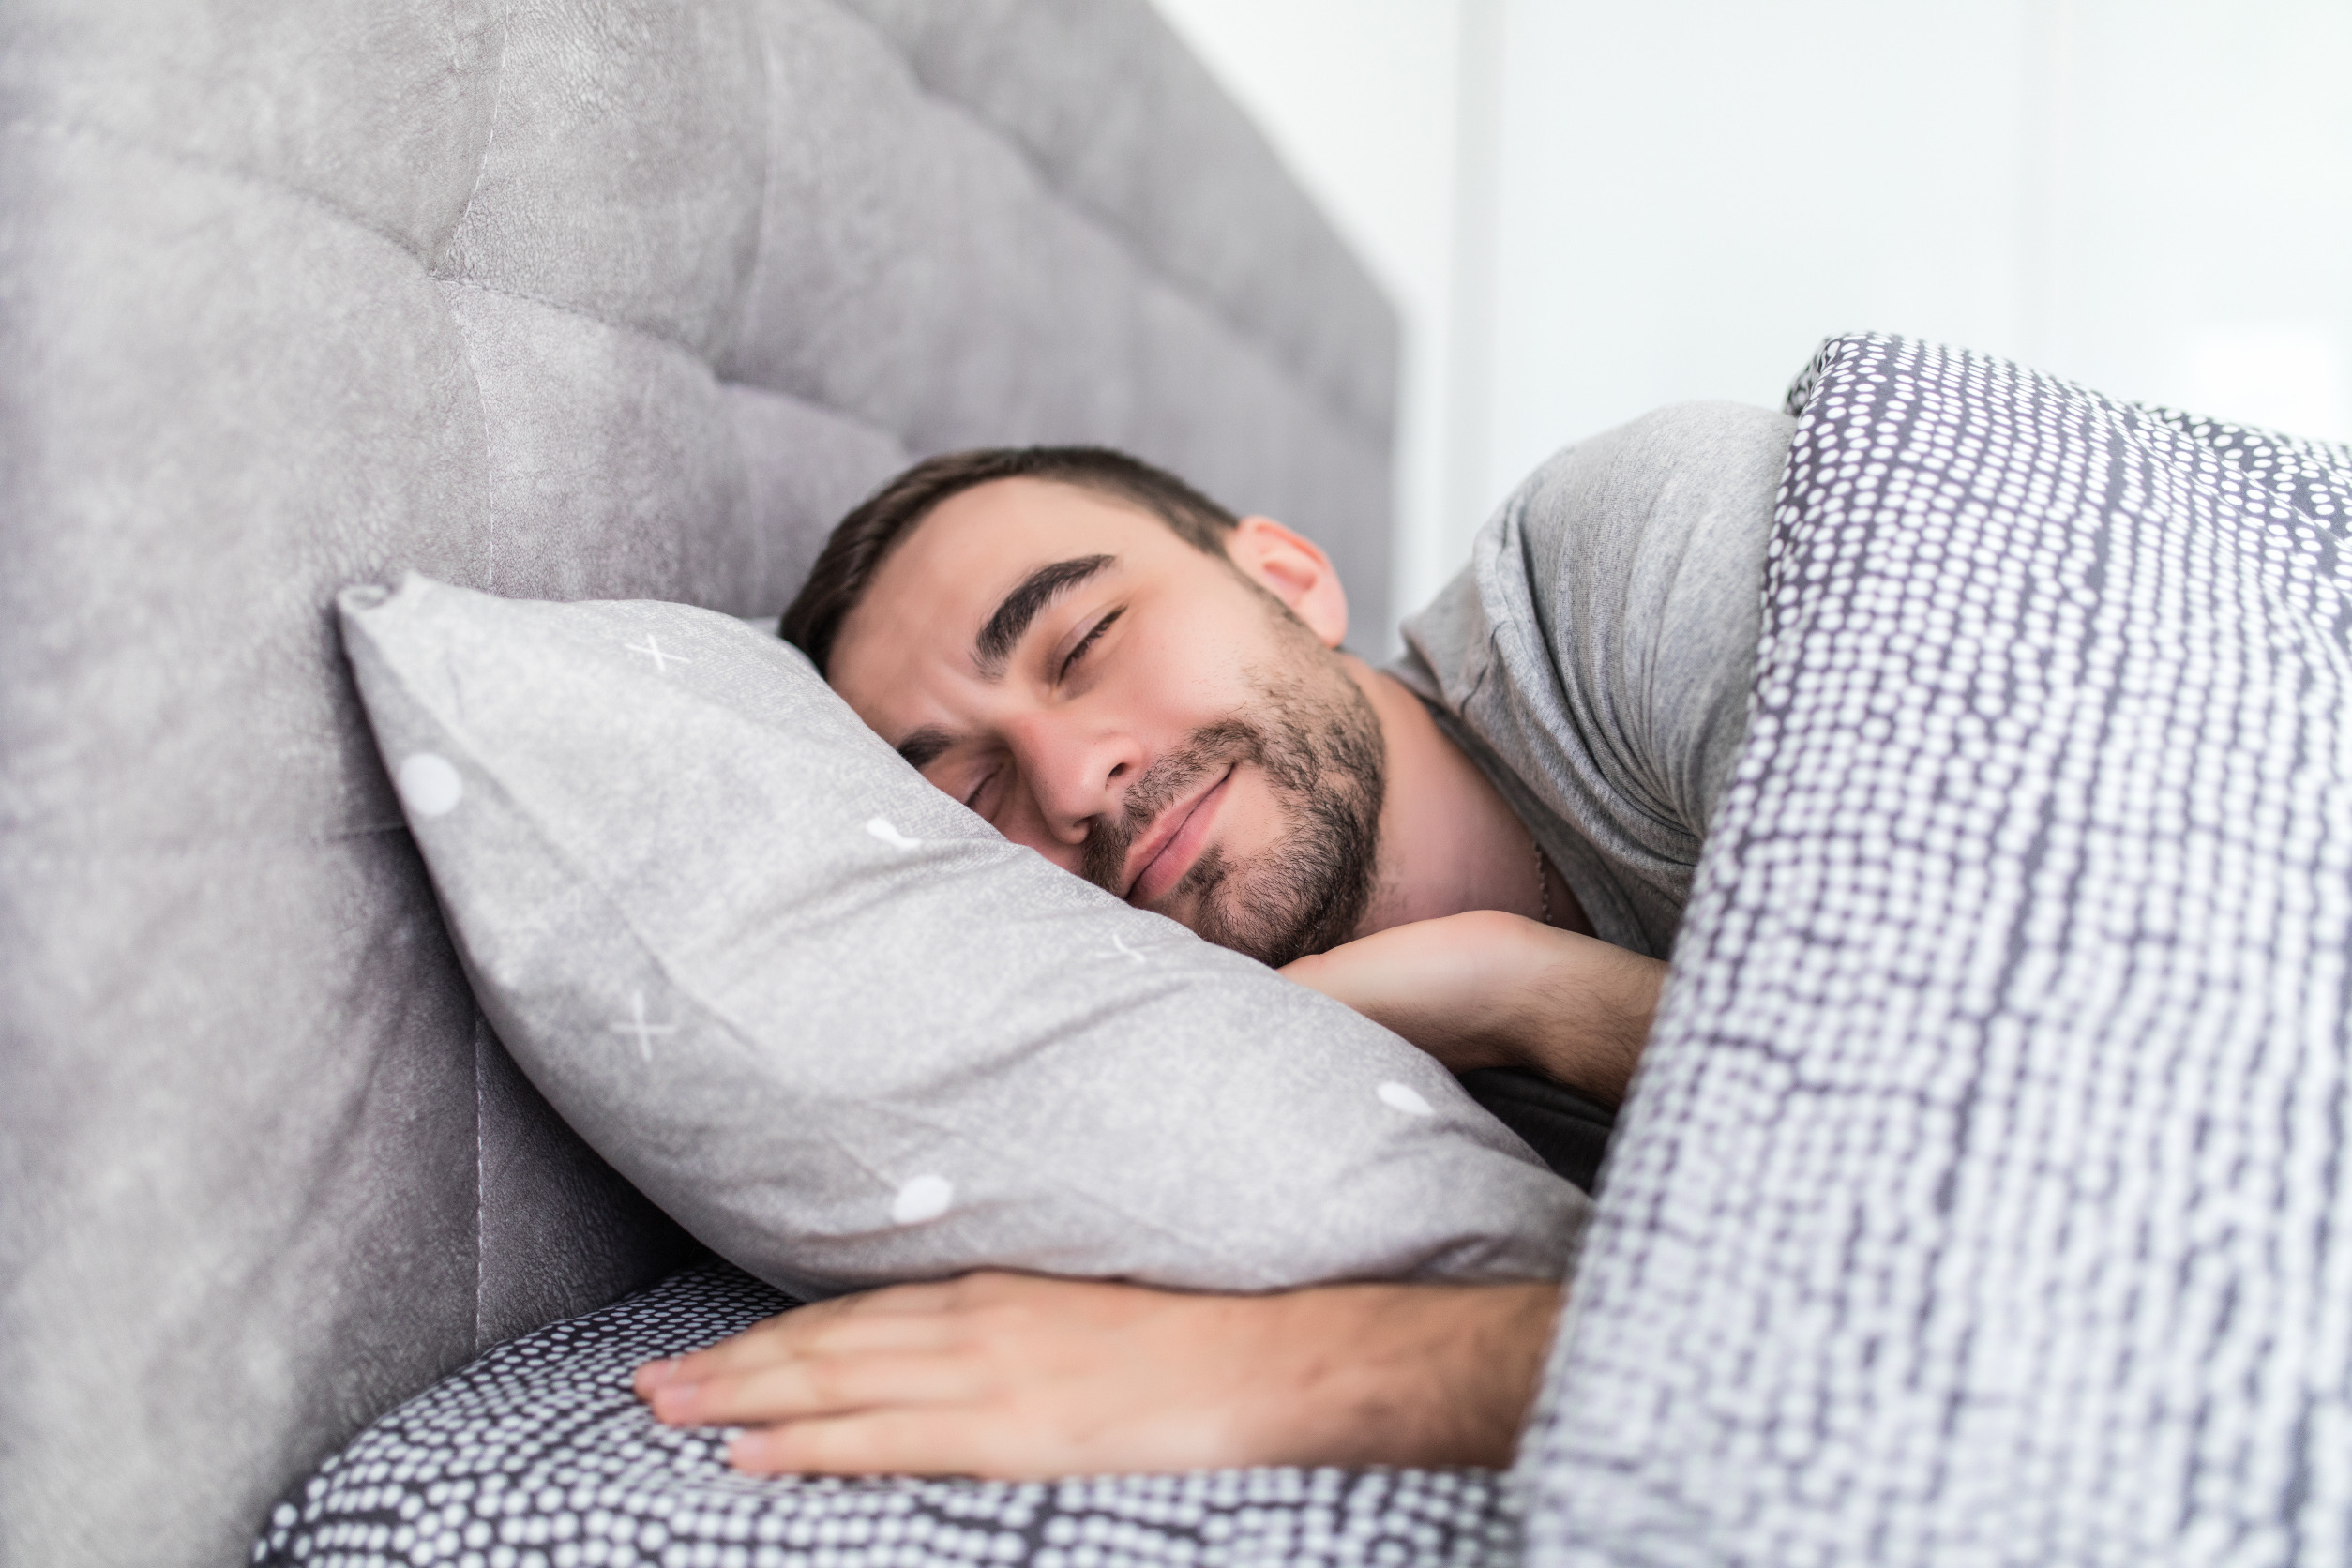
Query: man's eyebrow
(1040, 588)
(922, 748)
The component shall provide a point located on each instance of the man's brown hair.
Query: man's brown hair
(864, 538)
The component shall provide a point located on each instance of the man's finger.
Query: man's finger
(833, 1335)
(843, 1322)
(760, 1343)
(803, 1388)
(970, 1442)
(785, 1326)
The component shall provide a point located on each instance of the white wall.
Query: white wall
(1586, 209)
(1359, 97)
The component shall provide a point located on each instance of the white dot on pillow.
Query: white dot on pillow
(881, 828)
(1398, 1097)
(924, 1197)
(429, 785)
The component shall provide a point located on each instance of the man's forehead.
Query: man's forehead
(974, 547)
(933, 600)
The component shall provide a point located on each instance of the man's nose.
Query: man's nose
(1077, 770)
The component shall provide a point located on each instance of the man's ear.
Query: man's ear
(1294, 570)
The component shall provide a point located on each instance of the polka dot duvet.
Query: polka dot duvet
(1988, 1195)
(538, 1456)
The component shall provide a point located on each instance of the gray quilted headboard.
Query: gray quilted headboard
(568, 298)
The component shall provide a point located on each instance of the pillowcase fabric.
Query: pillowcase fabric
(847, 1033)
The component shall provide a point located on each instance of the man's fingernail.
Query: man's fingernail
(675, 1402)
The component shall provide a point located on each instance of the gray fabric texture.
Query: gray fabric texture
(1137, 134)
(595, 298)
(1984, 1195)
(847, 1034)
(1596, 656)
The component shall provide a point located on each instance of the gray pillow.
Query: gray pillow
(847, 1034)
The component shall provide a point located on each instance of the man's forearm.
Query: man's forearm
(1431, 1375)
(1584, 1013)
(1016, 1377)
(1487, 989)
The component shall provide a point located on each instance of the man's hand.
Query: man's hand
(1489, 989)
(1015, 1377)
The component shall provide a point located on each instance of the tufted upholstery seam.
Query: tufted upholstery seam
(481, 1164)
(1125, 240)
(473, 368)
(489, 141)
(490, 581)
(666, 341)
(583, 313)
(69, 128)
(750, 279)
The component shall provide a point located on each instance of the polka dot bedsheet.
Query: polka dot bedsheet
(538, 1456)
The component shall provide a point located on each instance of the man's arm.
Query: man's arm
(1017, 1377)
(1490, 989)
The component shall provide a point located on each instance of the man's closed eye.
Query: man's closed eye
(1069, 660)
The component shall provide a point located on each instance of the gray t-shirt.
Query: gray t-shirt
(1595, 656)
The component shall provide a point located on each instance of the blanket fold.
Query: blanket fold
(1985, 1194)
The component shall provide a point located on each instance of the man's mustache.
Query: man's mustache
(1211, 747)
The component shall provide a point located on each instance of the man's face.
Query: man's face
(1141, 713)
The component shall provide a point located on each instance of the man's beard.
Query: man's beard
(1321, 751)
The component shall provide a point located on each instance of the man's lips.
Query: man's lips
(1173, 844)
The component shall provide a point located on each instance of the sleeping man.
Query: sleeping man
(1486, 847)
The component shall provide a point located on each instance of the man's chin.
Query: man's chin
(1273, 939)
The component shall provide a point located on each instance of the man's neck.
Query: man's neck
(1449, 842)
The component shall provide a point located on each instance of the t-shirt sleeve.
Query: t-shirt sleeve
(1663, 526)
(1598, 654)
